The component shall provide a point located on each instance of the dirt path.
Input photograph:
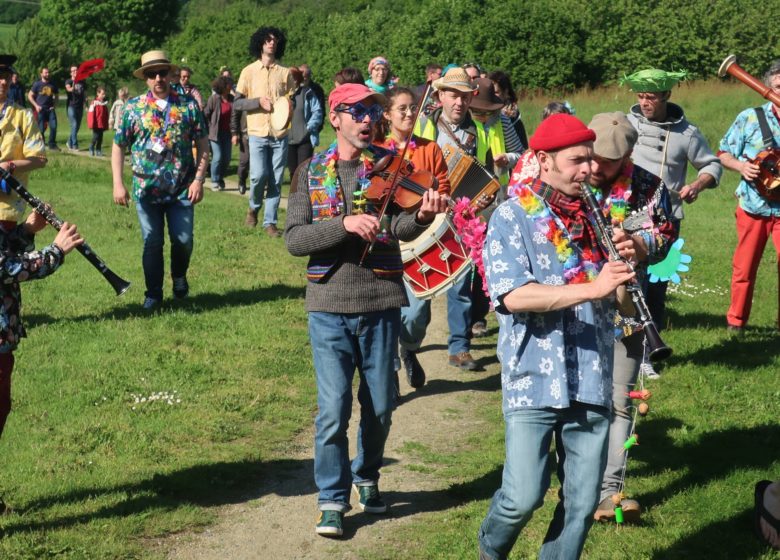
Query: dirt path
(280, 524)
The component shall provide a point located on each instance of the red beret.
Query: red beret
(560, 131)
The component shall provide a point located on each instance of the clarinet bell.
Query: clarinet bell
(658, 351)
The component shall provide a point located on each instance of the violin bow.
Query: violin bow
(397, 175)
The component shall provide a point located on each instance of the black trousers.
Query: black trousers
(297, 154)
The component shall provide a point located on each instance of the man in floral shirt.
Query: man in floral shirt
(553, 291)
(160, 127)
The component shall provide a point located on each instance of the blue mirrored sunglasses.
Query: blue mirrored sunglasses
(359, 111)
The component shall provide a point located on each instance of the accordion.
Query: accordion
(468, 177)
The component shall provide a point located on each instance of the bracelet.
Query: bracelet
(11, 167)
(200, 178)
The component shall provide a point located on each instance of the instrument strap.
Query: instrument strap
(467, 148)
(766, 133)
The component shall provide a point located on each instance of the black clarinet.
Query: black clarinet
(119, 284)
(658, 350)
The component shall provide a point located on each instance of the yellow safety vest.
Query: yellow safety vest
(493, 139)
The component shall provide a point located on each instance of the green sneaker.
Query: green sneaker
(330, 523)
(369, 499)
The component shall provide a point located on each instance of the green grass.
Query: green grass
(7, 31)
(92, 477)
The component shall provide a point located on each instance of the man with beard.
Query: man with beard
(553, 290)
(625, 188)
(160, 127)
(75, 106)
(353, 304)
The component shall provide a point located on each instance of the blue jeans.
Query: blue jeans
(220, 157)
(152, 217)
(74, 118)
(48, 117)
(580, 432)
(340, 344)
(267, 159)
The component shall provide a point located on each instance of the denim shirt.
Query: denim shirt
(743, 141)
(547, 359)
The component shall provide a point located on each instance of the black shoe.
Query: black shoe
(180, 287)
(415, 374)
(241, 188)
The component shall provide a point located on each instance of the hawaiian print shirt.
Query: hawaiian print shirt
(547, 359)
(18, 263)
(743, 141)
(160, 136)
(20, 138)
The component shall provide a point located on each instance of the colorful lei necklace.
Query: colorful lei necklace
(331, 180)
(159, 125)
(579, 266)
(617, 202)
(392, 146)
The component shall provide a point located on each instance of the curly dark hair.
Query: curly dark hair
(261, 36)
(221, 85)
(383, 129)
(505, 83)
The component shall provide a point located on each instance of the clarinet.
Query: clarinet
(119, 284)
(658, 350)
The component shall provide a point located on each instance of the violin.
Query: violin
(395, 177)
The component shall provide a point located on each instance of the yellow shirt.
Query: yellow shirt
(257, 80)
(20, 138)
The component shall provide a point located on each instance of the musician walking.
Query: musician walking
(554, 294)
(758, 217)
(667, 143)
(626, 189)
(21, 151)
(259, 86)
(354, 309)
(160, 127)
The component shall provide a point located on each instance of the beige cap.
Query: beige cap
(615, 137)
(457, 79)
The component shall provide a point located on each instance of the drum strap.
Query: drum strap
(766, 133)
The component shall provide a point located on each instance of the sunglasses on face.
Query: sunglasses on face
(152, 74)
(359, 112)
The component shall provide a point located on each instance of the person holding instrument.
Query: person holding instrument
(354, 310)
(624, 189)
(395, 134)
(21, 150)
(554, 295)
(758, 217)
(160, 127)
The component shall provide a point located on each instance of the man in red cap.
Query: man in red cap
(554, 295)
(353, 303)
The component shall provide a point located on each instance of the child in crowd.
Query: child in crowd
(115, 117)
(97, 120)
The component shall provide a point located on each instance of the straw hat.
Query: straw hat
(154, 60)
(455, 79)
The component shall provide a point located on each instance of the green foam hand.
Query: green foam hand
(675, 262)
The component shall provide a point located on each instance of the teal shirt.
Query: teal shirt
(743, 141)
(160, 137)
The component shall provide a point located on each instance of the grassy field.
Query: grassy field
(129, 426)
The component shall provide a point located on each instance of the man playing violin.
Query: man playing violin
(354, 308)
(758, 217)
(553, 290)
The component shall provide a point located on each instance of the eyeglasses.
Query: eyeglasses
(152, 74)
(359, 112)
(411, 109)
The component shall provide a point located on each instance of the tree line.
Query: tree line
(543, 44)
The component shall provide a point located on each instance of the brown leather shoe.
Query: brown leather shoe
(463, 360)
(271, 230)
(606, 510)
(251, 218)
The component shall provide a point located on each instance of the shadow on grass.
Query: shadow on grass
(721, 540)
(757, 348)
(209, 485)
(198, 303)
(443, 386)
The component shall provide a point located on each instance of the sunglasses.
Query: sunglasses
(152, 74)
(359, 112)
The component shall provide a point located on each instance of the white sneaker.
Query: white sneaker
(647, 369)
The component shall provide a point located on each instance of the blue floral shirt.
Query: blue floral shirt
(743, 141)
(547, 359)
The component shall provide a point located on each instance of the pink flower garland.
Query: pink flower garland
(472, 233)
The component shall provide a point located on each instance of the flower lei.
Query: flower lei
(391, 145)
(472, 233)
(617, 202)
(579, 266)
(161, 126)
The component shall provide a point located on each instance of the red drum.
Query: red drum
(436, 260)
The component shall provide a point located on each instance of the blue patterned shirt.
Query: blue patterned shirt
(547, 359)
(743, 141)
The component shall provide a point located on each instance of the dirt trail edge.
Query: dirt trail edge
(280, 524)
